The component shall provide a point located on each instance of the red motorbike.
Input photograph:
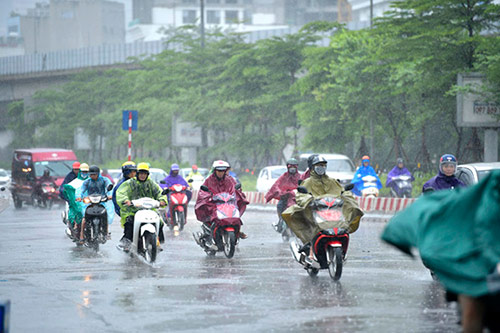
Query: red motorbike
(178, 201)
(46, 195)
(223, 234)
(329, 246)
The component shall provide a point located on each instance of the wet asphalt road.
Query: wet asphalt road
(55, 287)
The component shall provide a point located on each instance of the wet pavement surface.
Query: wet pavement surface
(54, 286)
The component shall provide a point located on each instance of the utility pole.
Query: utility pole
(372, 113)
(202, 23)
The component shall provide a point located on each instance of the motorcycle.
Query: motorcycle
(95, 226)
(178, 201)
(146, 229)
(223, 234)
(46, 196)
(401, 187)
(329, 246)
(369, 186)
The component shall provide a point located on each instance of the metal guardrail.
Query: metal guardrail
(104, 55)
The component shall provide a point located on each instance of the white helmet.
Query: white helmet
(221, 165)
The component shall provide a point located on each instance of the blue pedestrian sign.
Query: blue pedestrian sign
(135, 118)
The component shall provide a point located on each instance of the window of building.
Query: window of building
(213, 16)
(188, 16)
(247, 17)
(189, 1)
(231, 2)
(231, 16)
(210, 2)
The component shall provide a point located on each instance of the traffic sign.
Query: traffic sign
(125, 118)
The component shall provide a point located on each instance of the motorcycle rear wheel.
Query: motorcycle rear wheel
(181, 220)
(149, 244)
(335, 262)
(229, 241)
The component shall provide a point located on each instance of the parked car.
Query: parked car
(116, 174)
(184, 172)
(472, 173)
(4, 178)
(339, 166)
(268, 176)
(157, 174)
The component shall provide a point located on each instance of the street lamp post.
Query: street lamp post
(202, 23)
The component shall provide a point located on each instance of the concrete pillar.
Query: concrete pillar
(490, 145)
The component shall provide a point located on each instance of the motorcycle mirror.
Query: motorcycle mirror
(428, 190)
(300, 181)
(2, 189)
(165, 191)
(302, 190)
(190, 181)
(110, 187)
(237, 186)
(349, 187)
(204, 188)
(162, 182)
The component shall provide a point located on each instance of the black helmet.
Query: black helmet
(318, 159)
(399, 160)
(292, 161)
(94, 170)
(310, 159)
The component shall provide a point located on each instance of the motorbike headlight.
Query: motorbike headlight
(95, 198)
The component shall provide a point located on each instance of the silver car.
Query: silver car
(339, 166)
(472, 173)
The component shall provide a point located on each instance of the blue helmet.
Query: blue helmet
(447, 159)
(128, 167)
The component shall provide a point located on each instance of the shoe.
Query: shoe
(243, 235)
(306, 248)
(109, 236)
(124, 245)
(68, 233)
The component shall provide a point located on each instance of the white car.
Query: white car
(157, 174)
(268, 176)
(116, 174)
(4, 178)
(197, 182)
(339, 166)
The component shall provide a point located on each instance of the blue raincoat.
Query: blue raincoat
(100, 185)
(357, 180)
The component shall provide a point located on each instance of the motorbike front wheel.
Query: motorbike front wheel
(181, 220)
(229, 240)
(335, 262)
(91, 235)
(312, 271)
(149, 245)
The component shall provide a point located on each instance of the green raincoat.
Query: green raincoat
(75, 207)
(299, 217)
(457, 234)
(133, 189)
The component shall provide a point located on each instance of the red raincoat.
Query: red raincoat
(205, 207)
(285, 184)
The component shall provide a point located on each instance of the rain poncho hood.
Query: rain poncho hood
(299, 217)
(395, 172)
(443, 182)
(68, 179)
(284, 185)
(457, 234)
(172, 180)
(357, 180)
(205, 207)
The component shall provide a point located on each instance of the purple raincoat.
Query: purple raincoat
(172, 180)
(395, 172)
(443, 182)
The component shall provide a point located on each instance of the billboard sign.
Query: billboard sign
(472, 109)
(185, 134)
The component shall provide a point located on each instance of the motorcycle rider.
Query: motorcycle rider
(71, 192)
(96, 184)
(318, 184)
(364, 170)
(129, 170)
(69, 177)
(398, 170)
(135, 188)
(174, 178)
(307, 173)
(219, 181)
(445, 179)
(194, 173)
(283, 190)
